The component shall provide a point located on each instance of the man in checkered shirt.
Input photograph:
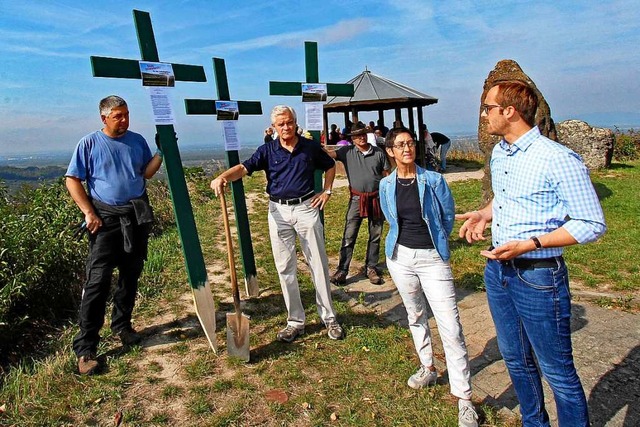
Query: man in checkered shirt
(543, 201)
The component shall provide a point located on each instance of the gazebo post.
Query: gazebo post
(420, 152)
(380, 117)
(411, 122)
(325, 118)
(398, 114)
(346, 119)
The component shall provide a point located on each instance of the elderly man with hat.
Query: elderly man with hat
(365, 165)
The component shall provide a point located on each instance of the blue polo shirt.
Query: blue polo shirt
(289, 174)
(112, 167)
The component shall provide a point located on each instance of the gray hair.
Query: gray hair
(109, 103)
(283, 109)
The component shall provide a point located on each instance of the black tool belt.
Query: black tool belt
(295, 201)
(531, 263)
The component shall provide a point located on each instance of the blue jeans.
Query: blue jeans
(531, 309)
(444, 148)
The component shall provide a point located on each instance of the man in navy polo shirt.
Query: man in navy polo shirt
(290, 163)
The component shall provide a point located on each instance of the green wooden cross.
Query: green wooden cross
(295, 89)
(194, 260)
(208, 107)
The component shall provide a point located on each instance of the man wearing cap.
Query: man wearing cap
(294, 210)
(365, 165)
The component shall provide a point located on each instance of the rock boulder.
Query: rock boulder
(508, 69)
(594, 145)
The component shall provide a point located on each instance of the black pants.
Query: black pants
(106, 252)
(352, 223)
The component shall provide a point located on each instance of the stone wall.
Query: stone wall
(594, 145)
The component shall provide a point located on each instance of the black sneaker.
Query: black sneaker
(338, 278)
(289, 333)
(87, 364)
(129, 337)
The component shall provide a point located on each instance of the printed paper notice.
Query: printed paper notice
(313, 115)
(161, 105)
(227, 110)
(157, 74)
(230, 134)
(314, 92)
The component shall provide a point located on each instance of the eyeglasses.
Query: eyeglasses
(408, 144)
(487, 107)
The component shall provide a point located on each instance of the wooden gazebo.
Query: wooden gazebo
(376, 93)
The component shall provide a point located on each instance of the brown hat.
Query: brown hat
(358, 129)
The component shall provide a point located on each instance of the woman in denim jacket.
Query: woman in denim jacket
(419, 207)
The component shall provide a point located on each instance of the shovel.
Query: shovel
(238, 322)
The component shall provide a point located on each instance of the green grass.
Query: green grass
(358, 381)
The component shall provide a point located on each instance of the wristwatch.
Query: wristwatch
(328, 192)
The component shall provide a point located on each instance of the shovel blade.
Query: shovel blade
(238, 336)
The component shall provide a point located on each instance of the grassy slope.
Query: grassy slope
(177, 380)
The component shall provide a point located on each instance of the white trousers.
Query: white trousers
(285, 222)
(421, 276)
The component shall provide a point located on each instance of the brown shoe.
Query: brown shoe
(87, 364)
(338, 278)
(373, 276)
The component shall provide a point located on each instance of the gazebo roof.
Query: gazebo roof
(373, 92)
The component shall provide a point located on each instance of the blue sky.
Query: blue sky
(582, 55)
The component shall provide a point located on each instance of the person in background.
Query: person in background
(543, 201)
(429, 149)
(343, 139)
(334, 135)
(419, 207)
(379, 139)
(365, 165)
(268, 134)
(382, 128)
(443, 143)
(115, 164)
(294, 210)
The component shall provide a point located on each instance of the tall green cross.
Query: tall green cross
(194, 260)
(208, 107)
(295, 89)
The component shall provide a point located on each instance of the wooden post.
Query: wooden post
(208, 107)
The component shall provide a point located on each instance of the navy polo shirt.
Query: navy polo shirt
(289, 174)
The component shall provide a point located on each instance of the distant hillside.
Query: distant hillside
(13, 177)
(31, 173)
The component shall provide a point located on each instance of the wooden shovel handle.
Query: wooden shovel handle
(232, 263)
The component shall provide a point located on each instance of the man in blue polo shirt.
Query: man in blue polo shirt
(290, 163)
(114, 162)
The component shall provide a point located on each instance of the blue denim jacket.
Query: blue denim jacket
(438, 209)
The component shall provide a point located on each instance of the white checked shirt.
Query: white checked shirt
(540, 185)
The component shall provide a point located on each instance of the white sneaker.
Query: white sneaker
(424, 377)
(467, 416)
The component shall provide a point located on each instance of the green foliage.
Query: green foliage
(627, 145)
(40, 262)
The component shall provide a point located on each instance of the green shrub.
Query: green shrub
(40, 262)
(627, 145)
